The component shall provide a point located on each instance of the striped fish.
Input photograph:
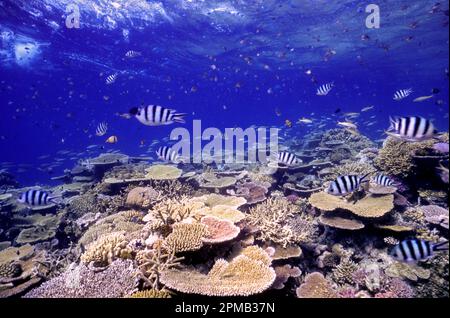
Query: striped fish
(325, 89)
(288, 159)
(35, 198)
(111, 78)
(154, 115)
(101, 130)
(167, 154)
(344, 185)
(132, 54)
(402, 93)
(383, 180)
(411, 128)
(416, 250)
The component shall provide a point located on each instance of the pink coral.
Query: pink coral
(219, 230)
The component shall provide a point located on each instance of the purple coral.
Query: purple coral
(436, 215)
(253, 192)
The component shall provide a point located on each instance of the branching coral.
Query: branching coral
(282, 222)
(242, 276)
(106, 249)
(343, 272)
(116, 281)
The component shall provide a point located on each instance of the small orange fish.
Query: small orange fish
(112, 140)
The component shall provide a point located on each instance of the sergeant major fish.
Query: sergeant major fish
(383, 180)
(411, 128)
(417, 250)
(36, 198)
(153, 115)
(344, 185)
(402, 93)
(325, 89)
(167, 154)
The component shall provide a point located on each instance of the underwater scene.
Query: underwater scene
(208, 148)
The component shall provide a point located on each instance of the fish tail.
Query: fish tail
(364, 177)
(440, 246)
(179, 118)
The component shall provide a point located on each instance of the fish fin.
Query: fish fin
(440, 246)
(364, 177)
(179, 118)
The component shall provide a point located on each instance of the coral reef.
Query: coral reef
(106, 249)
(316, 286)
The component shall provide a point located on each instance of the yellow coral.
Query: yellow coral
(186, 237)
(367, 207)
(242, 276)
(106, 249)
(163, 172)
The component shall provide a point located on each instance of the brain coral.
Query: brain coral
(316, 286)
(242, 276)
(367, 207)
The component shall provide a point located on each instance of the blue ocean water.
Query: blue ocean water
(227, 63)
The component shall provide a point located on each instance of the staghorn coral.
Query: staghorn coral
(153, 262)
(242, 276)
(282, 222)
(116, 281)
(219, 230)
(316, 286)
(343, 272)
(106, 249)
(367, 207)
(173, 189)
(397, 157)
(163, 172)
(186, 237)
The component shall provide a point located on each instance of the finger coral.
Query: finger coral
(242, 276)
(367, 207)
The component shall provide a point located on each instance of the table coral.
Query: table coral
(367, 207)
(242, 276)
(219, 230)
(163, 172)
(340, 222)
(411, 272)
(283, 274)
(212, 200)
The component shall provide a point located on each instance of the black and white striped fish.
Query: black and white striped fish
(288, 159)
(36, 198)
(167, 154)
(412, 128)
(132, 54)
(417, 250)
(101, 129)
(111, 78)
(153, 115)
(383, 180)
(325, 89)
(402, 93)
(344, 185)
